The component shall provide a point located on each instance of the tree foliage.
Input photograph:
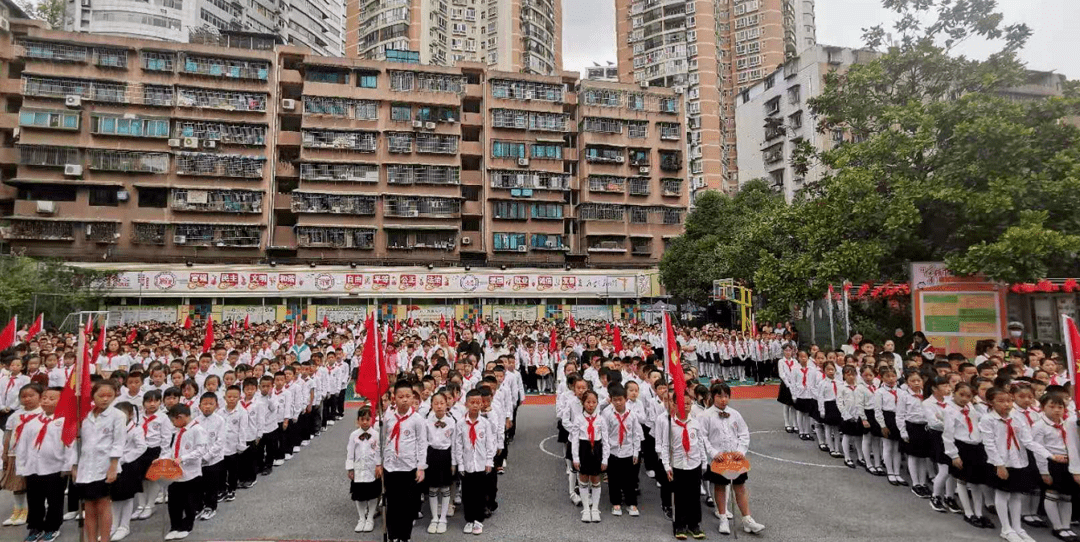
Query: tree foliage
(50, 11)
(60, 289)
(941, 166)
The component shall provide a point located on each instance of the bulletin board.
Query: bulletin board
(956, 312)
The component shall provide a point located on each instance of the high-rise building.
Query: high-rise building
(608, 72)
(505, 35)
(709, 51)
(316, 24)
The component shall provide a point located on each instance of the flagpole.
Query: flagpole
(80, 354)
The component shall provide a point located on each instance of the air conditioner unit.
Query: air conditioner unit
(522, 248)
(179, 239)
(417, 124)
(174, 142)
(523, 162)
(643, 170)
(288, 104)
(620, 159)
(678, 90)
(122, 195)
(644, 84)
(73, 170)
(209, 144)
(466, 241)
(191, 142)
(73, 100)
(430, 125)
(46, 207)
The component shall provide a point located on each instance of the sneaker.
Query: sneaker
(50, 537)
(252, 483)
(697, 534)
(937, 505)
(667, 514)
(305, 442)
(709, 502)
(296, 449)
(287, 457)
(331, 423)
(681, 534)
(369, 525)
(1011, 536)
(21, 520)
(575, 499)
(634, 512)
(171, 535)
(751, 526)
(441, 527)
(209, 514)
(586, 515)
(360, 526)
(33, 536)
(230, 496)
(953, 506)
(450, 511)
(467, 529)
(725, 527)
(160, 499)
(433, 526)
(180, 535)
(501, 470)
(986, 522)
(596, 515)
(120, 534)
(11, 520)
(477, 528)
(278, 463)
(650, 473)
(70, 516)
(1025, 537)
(616, 510)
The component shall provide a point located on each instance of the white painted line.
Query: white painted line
(793, 462)
(542, 449)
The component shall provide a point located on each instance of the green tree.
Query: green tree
(50, 11)
(941, 167)
(29, 287)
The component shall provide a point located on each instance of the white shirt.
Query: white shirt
(9, 391)
(153, 428)
(102, 440)
(1052, 437)
(107, 363)
(188, 444)
(630, 445)
(579, 431)
(474, 457)
(669, 443)
(214, 425)
(406, 446)
(280, 406)
(1001, 451)
(730, 434)
(362, 455)
(134, 443)
(236, 421)
(219, 370)
(955, 427)
(51, 456)
(440, 438)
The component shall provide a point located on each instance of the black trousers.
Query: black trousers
(473, 495)
(492, 489)
(622, 481)
(293, 435)
(328, 410)
(529, 375)
(269, 447)
(250, 462)
(687, 493)
(762, 370)
(315, 423)
(648, 451)
(341, 404)
(665, 487)
(213, 477)
(45, 500)
(231, 465)
(73, 496)
(402, 503)
(185, 499)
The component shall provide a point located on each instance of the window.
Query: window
(546, 151)
(638, 129)
(507, 149)
(367, 80)
(795, 120)
(162, 62)
(639, 157)
(542, 241)
(511, 210)
(547, 211)
(399, 112)
(103, 197)
(64, 120)
(509, 241)
(794, 94)
(669, 105)
(772, 106)
(316, 75)
(135, 127)
(636, 102)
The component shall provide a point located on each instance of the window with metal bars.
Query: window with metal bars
(509, 241)
(408, 206)
(526, 90)
(602, 125)
(56, 52)
(669, 130)
(47, 156)
(49, 230)
(537, 180)
(399, 142)
(599, 211)
(639, 215)
(436, 143)
(510, 210)
(406, 239)
(219, 201)
(639, 187)
(125, 125)
(612, 243)
(158, 61)
(110, 58)
(403, 81)
(363, 173)
(641, 246)
(341, 107)
(546, 241)
(422, 174)
(673, 216)
(352, 141)
(331, 237)
(128, 161)
(217, 235)
(226, 67)
(351, 204)
(637, 129)
(220, 99)
(143, 233)
(603, 97)
(671, 187)
(222, 165)
(606, 183)
(670, 160)
(235, 134)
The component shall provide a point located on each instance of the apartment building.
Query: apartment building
(505, 35)
(709, 51)
(140, 150)
(316, 24)
(596, 72)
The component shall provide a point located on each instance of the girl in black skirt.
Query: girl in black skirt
(439, 476)
(1058, 482)
(911, 421)
(944, 485)
(1007, 439)
(803, 384)
(865, 396)
(129, 480)
(851, 429)
(886, 399)
(786, 368)
(590, 455)
(967, 458)
(363, 469)
(827, 394)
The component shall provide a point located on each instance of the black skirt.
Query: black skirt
(365, 491)
(875, 428)
(1060, 480)
(973, 459)
(785, 395)
(146, 459)
(890, 424)
(590, 456)
(852, 428)
(937, 447)
(1019, 481)
(808, 406)
(918, 443)
(128, 482)
(93, 491)
(564, 435)
(438, 473)
(832, 416)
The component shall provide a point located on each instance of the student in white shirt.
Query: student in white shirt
(439, 474)
(129, 482)
(588, 436)
(474, 446)
(404, 462)
(1049, 431)
(41, 457)
(236, 427)
(102, 445)
(363, 465)
(680, 444)
(29, 410)
(963, 445)
(624, 446)
(213, 468)
(155, 428)
(186, 448)
(726, 432)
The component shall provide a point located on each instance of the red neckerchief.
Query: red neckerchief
(23, 420)
(45, 427)
(591, 429)
(622, 425)
(472, 430)
(395, 433)
(894, 397)
(685, 436)
(834, 388)
(871, 387)
(1028, 417)
(146, 424)
(179, 437)
(941, 404)
(245, 404)
(11, 382)
(805, 370)
(1061, 429)
(967, 418)
(790, 363)
(1010, 435)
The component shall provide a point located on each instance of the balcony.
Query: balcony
(335, 237)
(217, 201)
(347, 204)
(421, 207)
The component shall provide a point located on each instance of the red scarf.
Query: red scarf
(591, 429)
(685, 436)
(23, 420)
(1028, 417)
(967, 418)
(834, 389)
(472, 431)
(1010, 435)
(894, 397)
(804, 371)
(245, 404)
(1061, 429)
(622, 425)
(11, 382)
(395, 433)
(179, 437)
(146, 424)
(940, 404)
(45, 427)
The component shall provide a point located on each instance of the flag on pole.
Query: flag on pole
(442, 322)
(573, 326)
(75, 401)
(452, 339)
(7, 337)
(607, 328)
(131, 336)
(187, 322)
(386, 360)
(325, 321)
(37, 327)
(501, 326)
(208, 340)
(369, 376)
(1072, 352)
(554, 341)
(247, 321)
(617, 341)
(674, 366)
(99, 346)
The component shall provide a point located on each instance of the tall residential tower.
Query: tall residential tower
(710, 51)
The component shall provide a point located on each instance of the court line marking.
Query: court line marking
(543, 449)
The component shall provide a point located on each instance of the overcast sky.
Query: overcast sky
(589, 30)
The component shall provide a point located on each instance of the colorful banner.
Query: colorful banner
(340, 313)
(235, 281)
(591, 312)
(954, 321)
(133, 313)
(258, 313)
(430, 313)
(528, 313)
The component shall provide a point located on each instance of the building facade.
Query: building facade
(316, 24)
(709, 51)
(596, 72)
(147, 151)
(505, 35)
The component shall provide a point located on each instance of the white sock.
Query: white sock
(433, 502)
(864, 451)
(361, 510)
(965, 499)
(787, 416)
(117, 507)
(1001, 502)
(1065, 511)
(445, 504)
(913, 470)
(940, 479)
(1052, 513)
(845, 445)
(125, 513)
(1015, 505)
(596, 496)
(978, 499)
(819, 432)
(896, 456)
(889, 467)
(950, 483)
(877, 444)
(572, 483)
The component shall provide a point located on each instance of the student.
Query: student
(186, 448)
(802, 381)
(828, 392)
(404, 462)
(155, 431)
(41, 457)
(254, 415)
(279, 446)
(364, 469)
(439, 474)
(129, 482)
(680, 444)
(29, 400)
(568, 412)
(786, 369)
(865, 397)
(944, 485)
(234, 443)
(850, 427)
(98, 463)
(1007, 439)
(915, 441)
(474, 446)
(624, 446)
(725, 431)
(213, 468)
(963, 445)
(132, 393)
(1060, 486)
(587, 436)
(886, 400)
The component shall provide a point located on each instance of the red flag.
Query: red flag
(409, 323)
(674, 366)
(397, 326)
(442, 322)
(234, 327)
(1072, 352)
(99, 346)
(452, 339)
(501, 326)
(292, 333)
(573, 326)
(476, 326)
(7, 337)
(75, 401)
(369, 375)
(554, 341)
(247, 321)
(617, 342)
(208, 340)
(131, 336)
(325, 321)
(37, 327)
(607, 328)
(187, 322)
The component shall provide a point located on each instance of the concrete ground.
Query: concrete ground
(798, 492)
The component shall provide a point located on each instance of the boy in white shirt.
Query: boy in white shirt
(473, 449)
(186, 448)
(213, 468)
